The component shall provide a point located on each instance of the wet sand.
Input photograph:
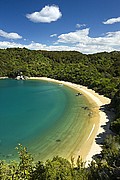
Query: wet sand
(88, 147)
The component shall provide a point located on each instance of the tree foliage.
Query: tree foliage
(101, 72)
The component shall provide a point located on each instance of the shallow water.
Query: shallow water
(46, 117)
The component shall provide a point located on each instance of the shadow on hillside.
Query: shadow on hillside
(101, 137)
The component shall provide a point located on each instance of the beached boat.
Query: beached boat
(78, 94)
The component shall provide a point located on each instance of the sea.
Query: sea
(48, 118)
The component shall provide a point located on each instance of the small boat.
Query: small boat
(78, 94)
(61, 84)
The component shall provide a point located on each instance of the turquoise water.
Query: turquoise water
(41, 115)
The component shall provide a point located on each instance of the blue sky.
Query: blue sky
(88, 26)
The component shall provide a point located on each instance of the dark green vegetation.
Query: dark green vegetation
(100, 72)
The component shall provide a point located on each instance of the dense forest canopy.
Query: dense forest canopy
(101, 72)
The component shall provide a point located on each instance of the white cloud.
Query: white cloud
(82, 36)
(9, 35)
(74, 37)
(46, 15)
(80, 25)
(53, 35)
(36, 46)
(86, 44)
(6, 44)
(112, 21)
(76, 41)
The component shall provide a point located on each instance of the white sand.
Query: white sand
(3, 77)
(99, 100)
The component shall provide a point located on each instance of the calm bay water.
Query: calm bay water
(44, 116)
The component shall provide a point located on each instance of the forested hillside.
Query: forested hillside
(100, 72)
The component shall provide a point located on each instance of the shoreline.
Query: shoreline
(99, 117)
(4, 77)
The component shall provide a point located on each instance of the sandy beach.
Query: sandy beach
(3, 77)
(88, 147)
(99, 118)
